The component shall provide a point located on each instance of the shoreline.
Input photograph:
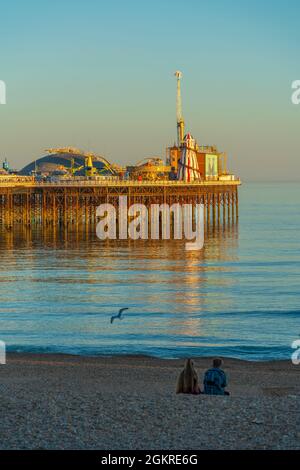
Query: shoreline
(12, 354)
(58, 401)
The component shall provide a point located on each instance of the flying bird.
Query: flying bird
(119, 316)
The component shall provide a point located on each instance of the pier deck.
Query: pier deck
(74, 201)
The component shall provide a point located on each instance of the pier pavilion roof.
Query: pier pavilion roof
(63, 161)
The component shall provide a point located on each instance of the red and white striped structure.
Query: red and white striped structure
(188, 163)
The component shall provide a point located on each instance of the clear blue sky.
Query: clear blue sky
(99, 75)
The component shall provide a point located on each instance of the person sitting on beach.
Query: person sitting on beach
(215, 379)
(188, 379)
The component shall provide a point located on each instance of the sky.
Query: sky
(99, 75)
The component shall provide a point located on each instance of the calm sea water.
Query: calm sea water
(238, 297)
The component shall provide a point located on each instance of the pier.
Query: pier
(65, 186)
(69, 202)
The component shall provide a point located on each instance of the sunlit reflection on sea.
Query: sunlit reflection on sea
(238, 297)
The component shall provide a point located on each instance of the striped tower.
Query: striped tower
(188, 163)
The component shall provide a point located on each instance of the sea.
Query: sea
(237, 297)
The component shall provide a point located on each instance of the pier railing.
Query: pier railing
(115, 183)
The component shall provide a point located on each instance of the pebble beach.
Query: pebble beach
(121, 403)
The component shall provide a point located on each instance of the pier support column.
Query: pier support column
(236, 205)
(208, 210)
(9, 210)
(44, 207)
(232, 206)
(53, 203)
(214, 209)
(27, 208)
(228, 207)
(65, 209)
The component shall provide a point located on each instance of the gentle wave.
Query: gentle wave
(238, 352)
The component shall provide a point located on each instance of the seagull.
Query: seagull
(119, 316)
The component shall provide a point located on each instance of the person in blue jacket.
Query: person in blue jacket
(215, 379)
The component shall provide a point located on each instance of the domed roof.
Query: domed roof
(60, 160)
